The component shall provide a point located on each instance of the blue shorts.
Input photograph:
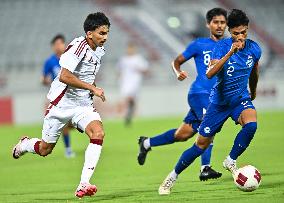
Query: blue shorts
(216, 116)
(198, 104)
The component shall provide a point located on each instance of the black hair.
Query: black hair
(215, 12)
(237, 18)
(95, 20)
(57, 37)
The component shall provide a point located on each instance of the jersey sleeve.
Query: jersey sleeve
(190, 51)
(46, 69)
(218, 51)
(257, 52)
(73, 55)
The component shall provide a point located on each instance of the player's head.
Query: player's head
(238, 25)
(96, 27)
(131, 48)
(217, 21)
(58, 44)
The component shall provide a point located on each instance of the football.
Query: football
(247, 178)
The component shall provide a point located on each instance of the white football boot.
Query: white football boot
(230, 165)
(17, 151)
(166, 186)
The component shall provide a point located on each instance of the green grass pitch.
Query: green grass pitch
(120, 179)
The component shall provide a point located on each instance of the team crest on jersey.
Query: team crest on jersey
(207, 130)
(249, 62)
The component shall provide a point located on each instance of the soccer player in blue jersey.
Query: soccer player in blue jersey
(235, 63)
(50, 71)
(198, 96)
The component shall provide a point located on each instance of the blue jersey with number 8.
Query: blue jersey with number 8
(201, 50)
(232, 80)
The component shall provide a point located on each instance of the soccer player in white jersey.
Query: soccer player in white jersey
(70, 99)
(132, 67)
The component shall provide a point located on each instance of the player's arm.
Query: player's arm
(45, 78)
(181, 75)
(70, 79)
(216, 65)
(253, 79)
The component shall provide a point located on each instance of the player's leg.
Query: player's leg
(187, 157)
(32, 145)
(93, 127)
(212, 123)
(130, 104)
(52, 128)
(244, 114)
(67, 142)
(198, 104)
(183, 133)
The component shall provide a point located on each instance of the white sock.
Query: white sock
(230, 159)
(92, 156)
(146, 143)
(203, 166)
(28, 145)
(173, 174)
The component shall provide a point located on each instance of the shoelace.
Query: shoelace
(169, 182)
(232, 166)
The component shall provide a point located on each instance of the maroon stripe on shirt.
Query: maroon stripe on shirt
(55, 102)
(69, 46)
(81, 49)
(80, 45)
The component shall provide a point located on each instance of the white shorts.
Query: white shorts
(57, 117)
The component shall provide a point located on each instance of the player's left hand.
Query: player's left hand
(182, 75)
(99, 92)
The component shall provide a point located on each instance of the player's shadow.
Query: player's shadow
(110, 196)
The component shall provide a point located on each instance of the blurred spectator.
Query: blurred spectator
(132, 67)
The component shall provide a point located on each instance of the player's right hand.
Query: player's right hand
(99, 92)
(236, 46)
(182, 75)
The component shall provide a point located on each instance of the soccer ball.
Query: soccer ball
(247, 178)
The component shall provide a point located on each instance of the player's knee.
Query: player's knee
(98, 134)
(203, 142)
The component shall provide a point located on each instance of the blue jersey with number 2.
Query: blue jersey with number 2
(232, 80)
(201, 50)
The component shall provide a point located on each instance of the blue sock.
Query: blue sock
(243, 139)
(187, 158)
(206, 156)
(66, 139)
(163, 139)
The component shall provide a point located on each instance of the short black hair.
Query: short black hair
(95, 20)
(57, 37)
(215, 12)
(237, 18)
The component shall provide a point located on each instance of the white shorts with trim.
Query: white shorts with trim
(57, 117)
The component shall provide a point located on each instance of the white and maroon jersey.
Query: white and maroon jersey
(84, 63)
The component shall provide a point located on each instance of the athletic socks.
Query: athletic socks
(206, 156)
(243, 139)
(130, 112)
(188, 157)
(167, 137)
(66, 139)
(31, 145)
(174, 175)
(92, 156)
